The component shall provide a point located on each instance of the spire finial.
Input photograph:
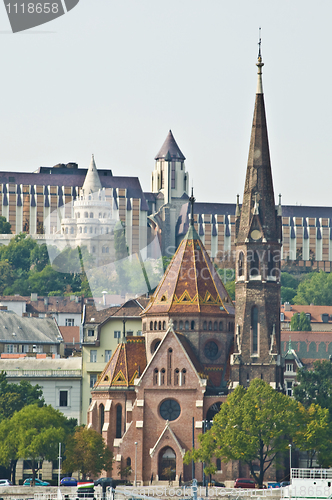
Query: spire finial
(259, 64)
(237, 210)
(192, 201)
(279, 211)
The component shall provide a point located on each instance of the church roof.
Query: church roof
(191, 283)
(126, 364)
(170, 149)
(258, 206)
(92, 182)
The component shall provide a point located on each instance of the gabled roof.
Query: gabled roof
(190, 283)
(173, 436)
(170, 148)
(186, 349)
(130, 309)
(126, 364)
(315, 312)
(17, 330)
(54, 305)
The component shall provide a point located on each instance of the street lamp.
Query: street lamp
(290, 461)
(135, 482)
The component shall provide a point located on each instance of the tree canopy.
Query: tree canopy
(251, 426)
(5, 227)
(315, 289)
(13, 397)
(87, 452)
(34, 434)
(300, 323)
(315, 386)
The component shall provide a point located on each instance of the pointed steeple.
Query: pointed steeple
(170, 149)
(258, 190)
(92, 182)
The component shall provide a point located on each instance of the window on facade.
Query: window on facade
(218, 464)
(254, 329)
(91, 333)
(173, 175)
(86, 215)
(290, 367)
(164, 325)
(205, 325)
(139, 333)
(108, 355)
(186, 325)
(151, 325)
(91, 230)
(100, 215)
(78, 215)
(128, 462)
(210, 325)
(162, 376)
(70, 321)
(117, 334)
(193, 325)
(180, 325)
(25, 348)
(240, 264)
(93, 356)
(220, 326)
(101, 417)
(80, 229)
(289, 389)
(183, 373)
(66, 230)
(91, 215)
(71, 230)
(118, 431)
(215, 326)
(63, 398)
(93, 379)
(175, 325)
(155, 325)
(176, 376)
(85, 229)
(254, 264)
(155, 376)
(159, 325)
(130, 333)
(10, 348)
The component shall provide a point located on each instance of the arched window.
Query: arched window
(151, 325)
(100, 215)
(162, 376)
(169, 366)
(186, 325)
(93, 249)
(175, 325)
(103, 250)
(180, 325)
(91, 230)
(254, 264)
(218, 464)
(240, 264)
(66, 230)
(86, 215)
(80, 229)
(210, 325)
(164, 325)
(128, 462)
(159, 325)
(104, 216)
(85, 229)
(71, 230)
(220, 326)
(95, 230)
(193, 325)
(155, 325)
(91, 215)
(78, 215)
(254, 329)
(118, 431)
(155, 376)
(101, 417)
(205, 325)
(215, 326)
(176, 376)
(183, 377)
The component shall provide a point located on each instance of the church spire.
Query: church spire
(259, 65)
(258, 190)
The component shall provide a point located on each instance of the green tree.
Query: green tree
(315, 289)
(6, 275)
(34, 434)
(252, 426)
(13, 397)
(312, 436)
(300, 323)
(315, 386)
(5, 227)
(87, 452)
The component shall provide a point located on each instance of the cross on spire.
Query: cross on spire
(192, 200)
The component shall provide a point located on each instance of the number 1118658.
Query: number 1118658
(31, 8)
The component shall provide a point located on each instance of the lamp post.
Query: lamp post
(290, 461)
(135, 482)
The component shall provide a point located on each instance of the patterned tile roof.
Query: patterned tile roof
(127, 363)
(190, 283)
(170, 146)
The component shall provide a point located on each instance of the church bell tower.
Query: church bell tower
(258, 250)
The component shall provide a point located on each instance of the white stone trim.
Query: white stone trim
(199, 403)
(140, 402)
(139, 424)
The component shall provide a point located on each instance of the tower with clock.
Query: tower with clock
(258, 248)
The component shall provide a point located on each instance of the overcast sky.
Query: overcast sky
(111, 77)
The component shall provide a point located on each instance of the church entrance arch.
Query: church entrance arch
(212, 411)
(167, 464)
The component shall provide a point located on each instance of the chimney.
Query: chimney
(287, 306)
(104, 297)
(34, 297)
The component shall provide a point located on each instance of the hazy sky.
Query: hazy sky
(111, 77)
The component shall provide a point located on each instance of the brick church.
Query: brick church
(158, 392)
